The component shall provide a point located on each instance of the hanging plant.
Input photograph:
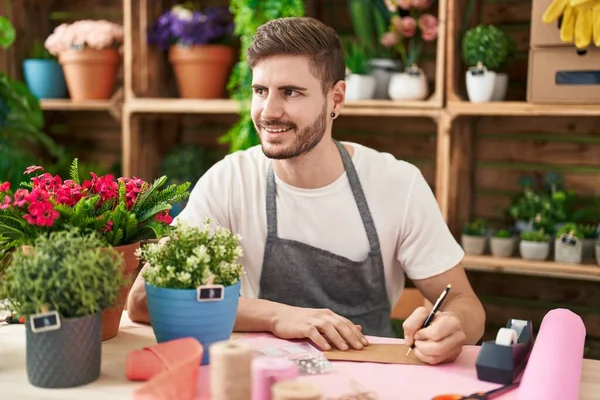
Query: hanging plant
(248, 16)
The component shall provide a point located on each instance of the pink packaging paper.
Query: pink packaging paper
(553, 371)
(268, 370)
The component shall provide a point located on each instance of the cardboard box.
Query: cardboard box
(543, 35)
(560, 75)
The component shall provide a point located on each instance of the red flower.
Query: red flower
(41, 213)
(47, 181)
(4, 187)
(109, 226)
(21, 197)
(32, 169)
(37, 195)
(6, 203)
(164, 217)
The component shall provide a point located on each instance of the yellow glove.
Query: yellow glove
(555, 10)
(577, 3)
(584, 25)
(596, 23)
(567, 28)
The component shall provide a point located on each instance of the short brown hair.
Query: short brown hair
(301, 36)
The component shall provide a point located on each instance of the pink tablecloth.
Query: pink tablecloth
(388, 381)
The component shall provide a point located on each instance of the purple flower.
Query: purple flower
(192, 27)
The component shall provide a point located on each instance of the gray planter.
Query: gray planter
(382, 69)
(588, 248)
(67, 357)
(534, 250)
(502, 247)
(473, 244)
(598, 252)
(568, 253)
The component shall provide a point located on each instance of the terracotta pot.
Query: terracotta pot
(90, 74)
(201, 72)
(111, 318)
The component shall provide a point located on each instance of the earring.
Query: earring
(332, 115)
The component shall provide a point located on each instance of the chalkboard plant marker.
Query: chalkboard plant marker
(60, 285)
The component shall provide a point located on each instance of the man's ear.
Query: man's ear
(338, 93)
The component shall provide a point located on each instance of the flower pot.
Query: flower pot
(45, 78)
(480, 84)
(598, 252)
(588, 249)
(500, 87)
(67, 357)
(177, 313)
(201, 71)
(568, 252)
(90, 74)
(473, 244)
(360, 87)
(382, 69)
(534, 250)
(502, 247)
(408, 85)
(111, 317)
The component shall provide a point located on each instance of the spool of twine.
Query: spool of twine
(295, 390)
(230, 370)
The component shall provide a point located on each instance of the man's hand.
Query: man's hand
(322, 326)
(441, 341)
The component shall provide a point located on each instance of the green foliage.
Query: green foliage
(503, 233)
(66, 271)
(192, 256)
(485, 44)
(248, 16)
(589, 231)
(187, 163)
(357, 56)
(478, 227)
(569, 229)
(39, 52)
(7, 33)
(535, 236)
(370, 20)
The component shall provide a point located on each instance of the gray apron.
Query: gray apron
(301, 275)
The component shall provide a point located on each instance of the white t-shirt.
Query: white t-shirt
(413, 235)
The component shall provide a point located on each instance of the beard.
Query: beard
(304, 140)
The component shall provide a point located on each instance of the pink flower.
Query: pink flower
(6, 203)
(164, 217)
(41, 213)
(390, 5)
(4, 187)
(32, 168)
(403, 4)
(21, 197)
(409, 27)
(98, 35)
(389, 39)
(429, 26)
(421, 4)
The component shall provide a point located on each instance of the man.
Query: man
(328, 229)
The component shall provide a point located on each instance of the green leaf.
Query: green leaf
(7, 33)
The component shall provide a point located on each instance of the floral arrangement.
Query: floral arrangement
(187, 26)
(96, 34)
(121, 211)
(407, 33)
(191, 256)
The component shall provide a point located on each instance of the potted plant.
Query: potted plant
(360, 84)
(193, 283)
(502, 78)
(60, 286)
(590, 235)
(201, 48)
(534, 245)
(484, 49)
(502, 243)
(90, 54)
(568, 244)
(43, 74)
(474, 236)
(410, 28)
(122, 211)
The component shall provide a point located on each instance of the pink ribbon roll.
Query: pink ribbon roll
(268, 370)
(553, 371)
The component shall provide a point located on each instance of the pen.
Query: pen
(435, 309)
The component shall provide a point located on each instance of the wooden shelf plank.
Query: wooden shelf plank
(520, 108)
(69, 105)
(227, 106)
(514, 265)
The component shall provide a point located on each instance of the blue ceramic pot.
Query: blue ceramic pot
(176, 313)
(45, 78)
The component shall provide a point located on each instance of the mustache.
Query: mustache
(276, 122)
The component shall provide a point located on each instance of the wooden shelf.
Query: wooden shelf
(514, 265)
(520, 108)
(227, 106)
(69, 105)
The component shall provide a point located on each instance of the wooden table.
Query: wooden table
(113, 383)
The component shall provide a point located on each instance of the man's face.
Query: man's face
(288, 106)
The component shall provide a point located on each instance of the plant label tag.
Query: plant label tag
(569, 240)
(211, 292)
(45, 321)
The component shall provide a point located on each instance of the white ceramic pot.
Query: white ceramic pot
(382, 69)
(534, 250)
(480, 84)
(500, 87)
(408, 85)
(568, 253)
(502, 247)
(360, 87)
(473, 244)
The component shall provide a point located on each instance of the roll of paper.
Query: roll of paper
(295, 390)
(268, 370)
(553, 371)
(230, 370)
(506, 337)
